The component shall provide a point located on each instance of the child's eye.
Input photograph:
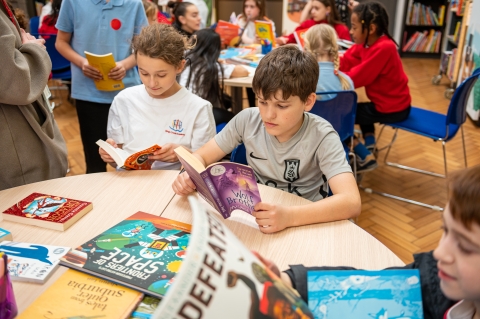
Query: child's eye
(464, 250)
(144, 74)
(262, 102)
(161, 76)
(282, 106)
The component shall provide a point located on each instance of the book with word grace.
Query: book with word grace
(365, 294)
(146, 308)
(104, 63)
(32, 262)
(300, 37)
(264, 30)
(228, 33)
(48, 211)
(143, 252)
(226, 186)
(123, 159)
(78, 295)
(5, 235)
(221, 276)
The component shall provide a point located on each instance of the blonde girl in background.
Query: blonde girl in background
(321, 41)
(151, 10)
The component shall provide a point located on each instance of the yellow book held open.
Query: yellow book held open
(104, 63)
(264, 30)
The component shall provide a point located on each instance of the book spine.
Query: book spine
(216, 197)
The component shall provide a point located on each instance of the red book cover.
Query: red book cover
(300, 37)
(228, 32)
(47, 211)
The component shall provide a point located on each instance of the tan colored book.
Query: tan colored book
(78, 295)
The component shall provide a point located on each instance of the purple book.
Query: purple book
(226, 186)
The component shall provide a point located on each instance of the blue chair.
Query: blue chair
(33, 24)
(436, 126)
(60, 66)
(239, 155)
(220, 127)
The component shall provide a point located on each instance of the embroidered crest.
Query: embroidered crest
(292, 167)
(176, 126)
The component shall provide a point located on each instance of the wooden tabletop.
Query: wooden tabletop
(239, 82)
(117, 195)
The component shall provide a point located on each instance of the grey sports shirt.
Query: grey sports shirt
(301, 166)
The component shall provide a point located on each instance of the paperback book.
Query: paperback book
(143, 252)
(104, 63)
(226, 186)
(228, 33)
(364, 294)
(32, 262)
(48, 211)
(125, 160)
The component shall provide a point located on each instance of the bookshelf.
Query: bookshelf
(423, 28)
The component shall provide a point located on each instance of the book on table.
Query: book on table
(143, 252)
(128, 161)
(78, 295)
(365, 294)
(264, 30)
(221, 278)
(48, 211)
(32, 262)
(225, 186)
(104, 63)
(5, 235)
(145, 308)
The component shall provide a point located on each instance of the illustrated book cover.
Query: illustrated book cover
(143, 252)
(32, 262)
(264, 30)
(226, 186)
(228, 33)
(221, 278)
(5, 235)
(300, 37)
(48, 211)
(123, 159)
(78, 295)
(146, 308)
(104, 63)
(365, 294)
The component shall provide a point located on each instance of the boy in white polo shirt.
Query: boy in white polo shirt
(287, 147)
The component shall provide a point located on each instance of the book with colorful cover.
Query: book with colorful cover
(229, 33)
(300, 37)
(264, 30)
(125, 160)
(146, 308)
(221, 278)
(225, 186)
(32, 262)
(48, 211)
(143, 252)
(365, 294)
(78, 295)
(5, 235)
(104, 63)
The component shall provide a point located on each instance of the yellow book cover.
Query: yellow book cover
(104, 63)
(78, 295)
(264, 30)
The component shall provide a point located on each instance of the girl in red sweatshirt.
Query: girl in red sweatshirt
(373, 62)
(322, 11)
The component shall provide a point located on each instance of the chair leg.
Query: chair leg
(445, 158)
(389, 146)
(464, 149)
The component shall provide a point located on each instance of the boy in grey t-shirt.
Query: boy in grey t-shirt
(287, 147)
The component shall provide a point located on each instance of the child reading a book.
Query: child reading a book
(252, 10)
(321, 41)
(323, 11)
(374, 63)
(160, 111)
(205, 75)
(452, 271)
(288, 148)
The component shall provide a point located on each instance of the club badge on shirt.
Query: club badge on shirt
(292, 167)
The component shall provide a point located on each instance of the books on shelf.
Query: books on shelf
(365, 293)
(104, 63)
(48, 211)
(125, 160)
(78, 295)
(456, 34)
(143, 252)
(32, 262)
(451, 64)
(426, 42)
(225, 186)
(422, 15)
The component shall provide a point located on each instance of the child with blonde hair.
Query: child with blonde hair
(151, 10)
(321, 41)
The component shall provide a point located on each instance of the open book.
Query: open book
(345, 43)
(136, 161)
(228, 33)
(226, 186)
(104, 63)
(221, 278)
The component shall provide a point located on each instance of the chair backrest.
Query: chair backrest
(457, 110)
(239, 155)
(58, 61)
(339, 111)
(33, 24)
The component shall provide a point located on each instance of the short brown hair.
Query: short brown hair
(464, 197)
(289, 69)
(161, 41)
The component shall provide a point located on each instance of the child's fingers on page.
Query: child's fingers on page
(267, 229)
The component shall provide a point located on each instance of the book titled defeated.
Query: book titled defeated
(125, 160)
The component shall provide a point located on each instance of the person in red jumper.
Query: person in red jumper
(373, 62)
(49, 21)
(323, 11)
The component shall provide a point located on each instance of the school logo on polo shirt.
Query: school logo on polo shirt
(292, 167)
(176, 128)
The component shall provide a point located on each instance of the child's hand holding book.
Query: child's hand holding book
(105, 156)
(165, 154)
(272, 218)
(183, 185)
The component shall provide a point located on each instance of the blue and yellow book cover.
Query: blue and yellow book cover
(143, 252)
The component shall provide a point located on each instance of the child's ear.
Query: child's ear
(372, 29)
(182, 20)
(181, 66)
(310, 101)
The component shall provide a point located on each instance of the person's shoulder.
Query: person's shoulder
(130, 92)
(133, 4)
(318, 126)
(306, 24)
(385, 44)
(192, 101)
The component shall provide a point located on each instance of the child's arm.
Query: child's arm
(121, 68)
(344, 204)
(306, 12)
(239, 71)
(349, 59)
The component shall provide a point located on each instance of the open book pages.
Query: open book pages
(123, 159)
(220, 278)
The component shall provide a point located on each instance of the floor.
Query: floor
(404, 228)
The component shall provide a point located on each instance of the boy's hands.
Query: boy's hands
(165, 154)
(104, 155)
(90, 71)
(118, 72)
(183, 185)
(272, 218)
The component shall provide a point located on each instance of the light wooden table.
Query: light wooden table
(117, 195)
